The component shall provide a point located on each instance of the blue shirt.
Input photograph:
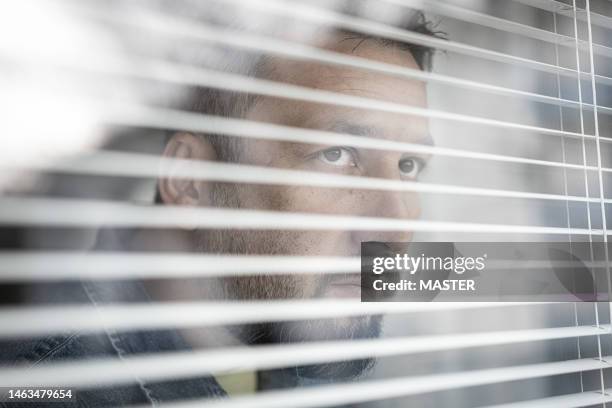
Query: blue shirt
(108, 344)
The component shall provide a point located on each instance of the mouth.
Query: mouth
(350, 286)
(345, 287)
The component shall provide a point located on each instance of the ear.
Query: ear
(179, 190)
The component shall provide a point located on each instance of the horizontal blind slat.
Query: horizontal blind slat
(142, 165)
(90, 213)
(581, 399)
(568, 11)
(181, 120)
(175, 365)
(176, 27)
(187, 75)
(442, 8)
(32, 266)
(319, 15)
(398, 387)
(40, 266)
(30, 321)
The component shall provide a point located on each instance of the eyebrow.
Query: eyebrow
(371, 131)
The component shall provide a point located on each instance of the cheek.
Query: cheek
(306, 199)
(309, 285)
(302, 200)
(271, 287)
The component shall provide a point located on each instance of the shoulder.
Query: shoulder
(72, 347)
(32, 351)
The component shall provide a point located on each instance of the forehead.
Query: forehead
(349, 81)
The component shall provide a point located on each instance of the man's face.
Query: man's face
(339, 160)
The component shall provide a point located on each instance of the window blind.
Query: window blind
(518, 103)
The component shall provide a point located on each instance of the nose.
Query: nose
(400, 206)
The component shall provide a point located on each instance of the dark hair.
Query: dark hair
(217, 102)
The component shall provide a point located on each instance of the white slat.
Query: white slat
(356, 392)
(36, 321)
(174, 365)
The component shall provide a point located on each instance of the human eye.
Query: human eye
(410, 167)
(338, 156)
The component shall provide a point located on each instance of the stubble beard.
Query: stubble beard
(283, 287)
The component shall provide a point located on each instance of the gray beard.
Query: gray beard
(262, 287)
(290, 332)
